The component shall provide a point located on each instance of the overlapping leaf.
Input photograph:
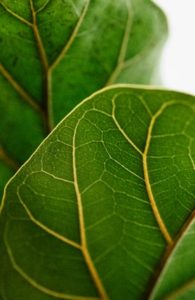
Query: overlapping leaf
(100, 210)
(55, 53)
(177, 280)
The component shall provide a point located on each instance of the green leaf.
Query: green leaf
(177, 279)
(56, 53)
(100, 203)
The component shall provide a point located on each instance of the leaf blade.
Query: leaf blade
(120, 228)
(69, 49)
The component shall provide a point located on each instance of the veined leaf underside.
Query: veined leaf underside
(112, 115)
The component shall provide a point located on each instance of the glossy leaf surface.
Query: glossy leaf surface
(55, 53)
(103, 201)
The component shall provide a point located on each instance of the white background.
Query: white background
(178, 60)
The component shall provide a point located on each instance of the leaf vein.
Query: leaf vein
(84, 247)
(19, 89)
(43, 6)
(156, 212)
(72, 37)
(120, 128)
(38, 286)
(44, 227)
(123, 50)
(16, 15)
(4, 156)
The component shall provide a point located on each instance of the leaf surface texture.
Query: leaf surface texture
(55, 53)
(104, 207)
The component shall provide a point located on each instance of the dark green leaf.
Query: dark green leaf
(102, 200)
(55, 53)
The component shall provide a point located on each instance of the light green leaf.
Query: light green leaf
(177, 279)
(55, 53)
(93, 212)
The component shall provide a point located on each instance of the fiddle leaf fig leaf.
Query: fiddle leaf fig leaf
(56, 53)
(105, 198)
(177, 279)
